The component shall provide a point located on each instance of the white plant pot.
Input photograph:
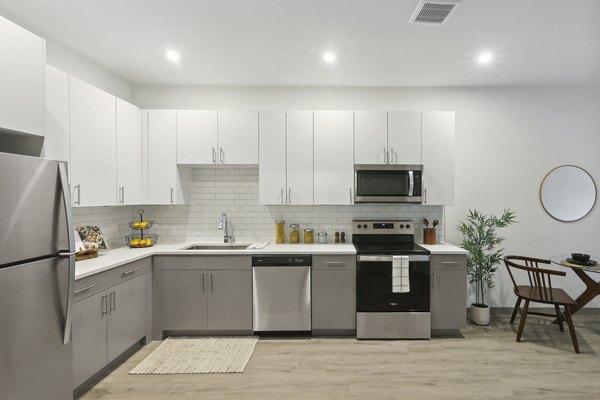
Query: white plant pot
(480, 314)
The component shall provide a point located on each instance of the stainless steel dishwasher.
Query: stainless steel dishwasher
(281, 293)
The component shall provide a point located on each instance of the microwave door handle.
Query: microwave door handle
(411, 183)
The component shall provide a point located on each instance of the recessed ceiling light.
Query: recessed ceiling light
(173, 56)
(329, 57)
(484, 58)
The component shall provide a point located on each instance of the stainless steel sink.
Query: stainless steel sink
(216, 247)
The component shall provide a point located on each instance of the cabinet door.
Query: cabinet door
(56, 142)
(229, 300)
(438, 157)
(184, 300)
(334, 159)
(89, 337)
(299, 152)
(196, 137)
(448, 292)
(93, 145)
(129, 153)
(22, 79)
(127, 316)
(334, 299)
(271, 160)
(238, 137)
(370, 137)
(404, 137)
(162, 156)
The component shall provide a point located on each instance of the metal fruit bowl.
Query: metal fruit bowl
(136, 241)
(140, 225)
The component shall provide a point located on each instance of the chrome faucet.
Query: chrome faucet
(224, 225)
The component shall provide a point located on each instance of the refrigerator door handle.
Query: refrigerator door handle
(62, 172)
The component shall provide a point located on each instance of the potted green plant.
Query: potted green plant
(481, 240)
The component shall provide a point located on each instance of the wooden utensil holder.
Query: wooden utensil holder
(429, 236)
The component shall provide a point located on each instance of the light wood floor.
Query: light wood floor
(486, 363)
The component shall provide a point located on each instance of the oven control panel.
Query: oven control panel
(383, 227)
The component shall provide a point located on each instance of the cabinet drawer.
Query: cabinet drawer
(448, 261)
(205, 262)
(334, 262)
(93, 284)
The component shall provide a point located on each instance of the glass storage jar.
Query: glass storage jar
(308, 236)
(322, 237)
(294, 233)
(279, 234)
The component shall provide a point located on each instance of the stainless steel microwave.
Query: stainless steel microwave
(388, 183)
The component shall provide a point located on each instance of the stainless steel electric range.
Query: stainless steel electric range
(392, 281)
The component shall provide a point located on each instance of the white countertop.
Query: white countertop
(444, 248)
(113, 258)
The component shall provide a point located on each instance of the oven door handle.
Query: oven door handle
(388, 258)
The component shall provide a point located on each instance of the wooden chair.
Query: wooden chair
(540, 290)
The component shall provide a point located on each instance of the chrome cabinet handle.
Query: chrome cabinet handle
(104, 305)
(129, 272)
(353, 281)
(211, 283)
(202, 283)
(281, 195)
(113, 300)
(289, 198)
(172, 190)
(425, 196)
(214, 156)
(334, 263)
(449, 262)
(434, 279)
(85, 289)
(386, 156)
(350, 191)
(122, 191)
(78, 201)
(221, 155)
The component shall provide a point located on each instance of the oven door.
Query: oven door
(374, 285)
(387, 183)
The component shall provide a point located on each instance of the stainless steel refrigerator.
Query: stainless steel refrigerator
(37, 268)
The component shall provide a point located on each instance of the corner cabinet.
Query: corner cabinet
(448, 291)
(333, 157)
(207, 294)
(334, 294)
(438, 157)
(22, 75)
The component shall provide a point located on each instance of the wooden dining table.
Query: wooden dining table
(585, 273)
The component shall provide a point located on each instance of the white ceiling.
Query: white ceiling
(279, 42)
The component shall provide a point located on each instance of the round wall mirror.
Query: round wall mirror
(568, 193)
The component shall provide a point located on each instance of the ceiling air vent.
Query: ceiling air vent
(433, 11)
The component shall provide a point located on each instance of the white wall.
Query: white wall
(74, 64)
(506, 140)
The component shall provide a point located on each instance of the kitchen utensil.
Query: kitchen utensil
(580, 257)
(426, 222)
(435, 222)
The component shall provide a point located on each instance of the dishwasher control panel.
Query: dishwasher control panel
(281, 260)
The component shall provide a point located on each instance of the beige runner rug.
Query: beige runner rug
(199, 355)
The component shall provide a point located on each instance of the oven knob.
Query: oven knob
(365, 226)
(358, 226)
(401, 226)
(407, 226)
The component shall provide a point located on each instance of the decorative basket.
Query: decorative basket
(141, 225)
(137, 241)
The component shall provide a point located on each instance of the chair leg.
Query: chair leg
(522, 320)
(514, 313)
(559, 318)
(569, 321)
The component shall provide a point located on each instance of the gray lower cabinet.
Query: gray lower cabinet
(206, 293)
(448, 292)
(334, 294)
(106, 324)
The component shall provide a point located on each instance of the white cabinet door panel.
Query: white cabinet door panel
(300, 157)
(238, 137)
(272, 168)
(56, 141)
(129, 153)
(404, 137)
(162, 156)
(196, 137)
(334, 158)
(93, 145)
(370, 137)
(438, 157)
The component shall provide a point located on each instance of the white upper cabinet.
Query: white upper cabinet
(299, 154)
(238, 137)
(333, 157)
(271, 157)
(22, 72)
(162, 157)
(370, 137)
(93, 145)
(129, 153)
(438, 157)
(197, 134)
(404, 137)
(56, 141)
